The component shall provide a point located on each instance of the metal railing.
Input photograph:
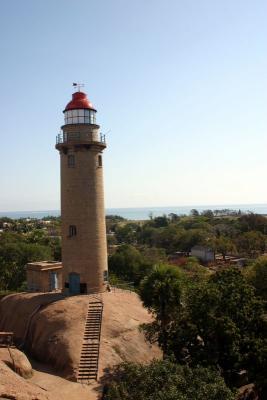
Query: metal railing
(64, 137)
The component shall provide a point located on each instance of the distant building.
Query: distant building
(203, 253)
(44, 276)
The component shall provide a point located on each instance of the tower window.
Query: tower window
(72, 230)
(99, 161)
(71, 161)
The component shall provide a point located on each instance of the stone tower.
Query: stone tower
(84, 248)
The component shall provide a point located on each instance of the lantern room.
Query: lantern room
(79, 110)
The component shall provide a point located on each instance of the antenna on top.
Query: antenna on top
(78, 86)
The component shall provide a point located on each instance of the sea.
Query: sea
(143, 213)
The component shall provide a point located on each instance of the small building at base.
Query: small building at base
(44, 276)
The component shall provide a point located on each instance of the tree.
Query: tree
(165, 380)
(253, 222)
(159, 222)
(173, 217)
(15, 253)
(222, 324)
(257, 276)
(194, 212)
(13, 259)
(127, 233)
(224, 245)
(207, 213)
(128, 264)
(160, 292)
(251, 243)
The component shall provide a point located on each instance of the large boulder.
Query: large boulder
(12, 386)
(51, 328)
(16, 360)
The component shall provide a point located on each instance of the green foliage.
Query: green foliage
(257, 276)
(128, 264)
(224, 245)
(15, 253)
(159, 222)
(153, 255)
(160, 291)
(161, 294)
(207, 213)
(194, 213)
(111, 217)
(222, 324)
(251, 243)
(126, 233)
(192, 268)
(216, 322)
(164, 380)
(252, 222)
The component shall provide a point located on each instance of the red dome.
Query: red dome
(79, 100)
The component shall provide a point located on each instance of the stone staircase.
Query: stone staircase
(88, 367)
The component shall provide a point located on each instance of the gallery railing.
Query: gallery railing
(64, 137)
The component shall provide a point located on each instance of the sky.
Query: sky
(180, 89)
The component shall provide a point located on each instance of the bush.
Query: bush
(164, 380)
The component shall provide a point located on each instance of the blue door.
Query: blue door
(74, 283)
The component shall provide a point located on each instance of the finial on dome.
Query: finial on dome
(78, 86)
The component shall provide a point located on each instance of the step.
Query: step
(95, 343)
(88, 376)
(90, 350)
(93, 321)
(83, 359)
(87, 372)
(88, 366)
(95, 312)
(94, 334)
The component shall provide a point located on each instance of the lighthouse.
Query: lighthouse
(84, 247)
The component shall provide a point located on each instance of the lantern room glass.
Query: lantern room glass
(80, 117)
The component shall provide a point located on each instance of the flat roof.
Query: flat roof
(44, 265)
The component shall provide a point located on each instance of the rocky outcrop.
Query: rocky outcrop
(17, 361)
(52, 328)
(13, 387)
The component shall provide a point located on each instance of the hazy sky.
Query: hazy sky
(180, 85)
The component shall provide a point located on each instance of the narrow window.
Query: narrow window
(72, 231)
(71, 161)
(100, 160)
